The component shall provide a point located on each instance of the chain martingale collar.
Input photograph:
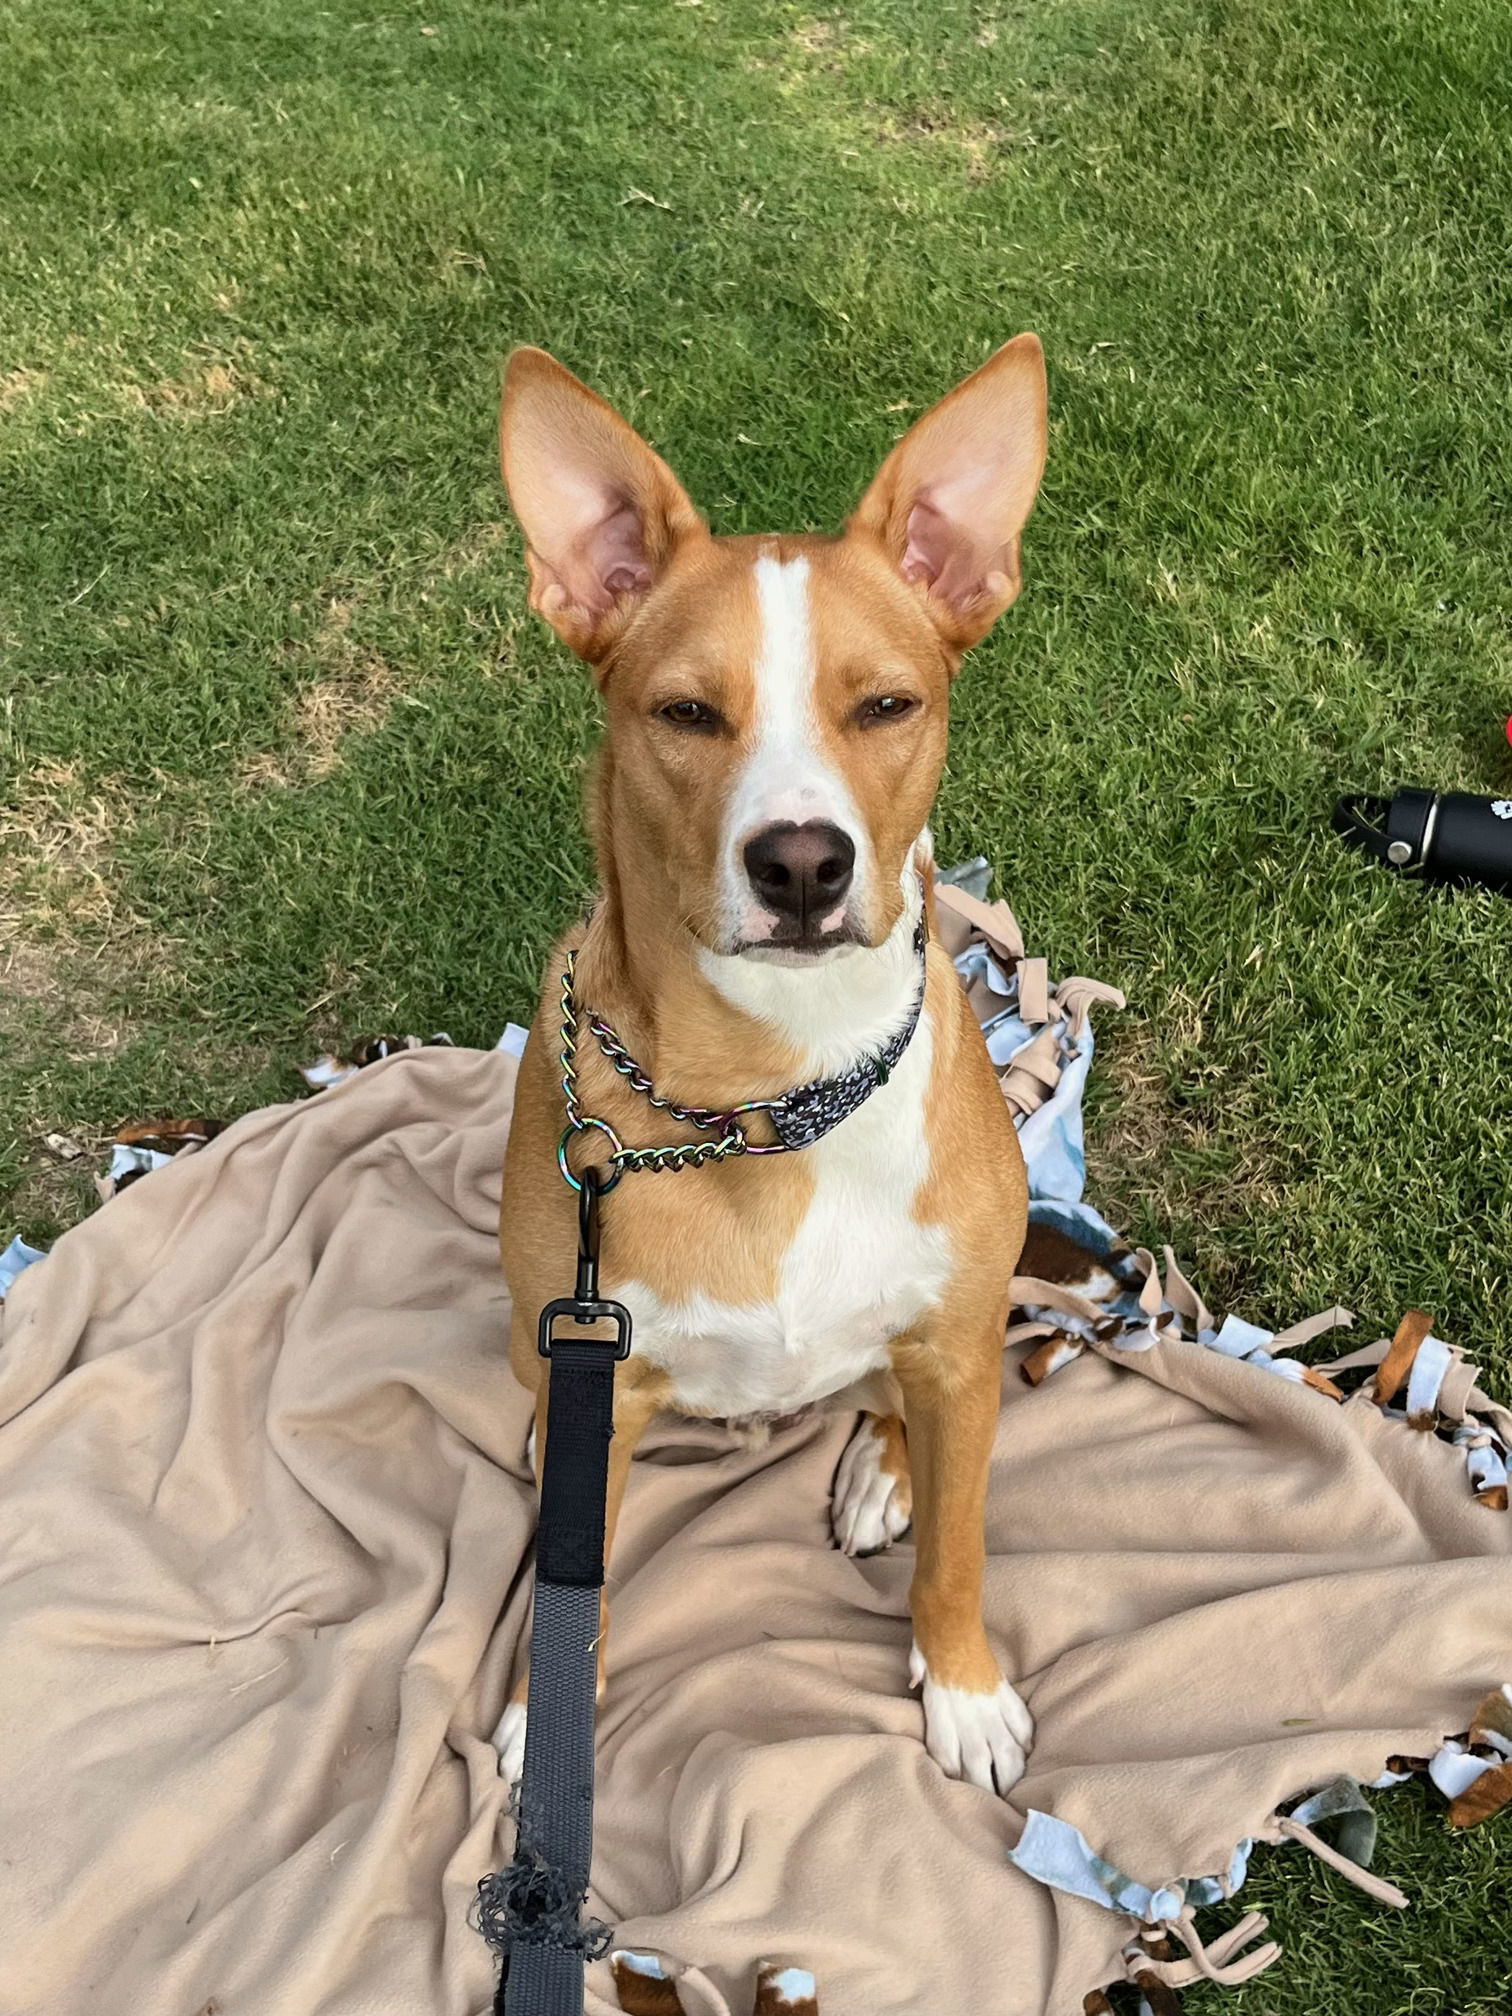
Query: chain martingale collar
(798, 1118)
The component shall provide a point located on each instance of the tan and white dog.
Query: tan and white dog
(776, 727)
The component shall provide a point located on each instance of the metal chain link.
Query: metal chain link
(637, 1079)
(683, 1155)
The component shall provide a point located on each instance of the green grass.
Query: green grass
(282, 756)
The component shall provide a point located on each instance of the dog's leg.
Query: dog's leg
(975, 1725)
(873, 1497)
(635, 1404)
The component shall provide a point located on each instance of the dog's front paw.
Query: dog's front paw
(509, 1741)
(983, 1738)
(872, 1503)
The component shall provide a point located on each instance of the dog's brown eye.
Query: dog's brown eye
(886, 707)
(690, 714)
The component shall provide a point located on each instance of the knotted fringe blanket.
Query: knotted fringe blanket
(265, 1575)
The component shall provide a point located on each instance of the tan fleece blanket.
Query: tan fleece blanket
(265, 1572)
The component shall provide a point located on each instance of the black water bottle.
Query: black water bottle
(1447, 837)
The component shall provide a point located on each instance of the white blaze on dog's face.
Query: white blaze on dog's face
(777, 706)
(791, 822)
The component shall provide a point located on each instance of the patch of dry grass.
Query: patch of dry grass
(18, 385)
(69, 938)
(352, 696)
(55, 839)
(205, 389)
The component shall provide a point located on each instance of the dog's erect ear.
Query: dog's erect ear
(949, 503)
(601, 512)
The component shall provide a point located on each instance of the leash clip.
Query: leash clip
(585, 1305)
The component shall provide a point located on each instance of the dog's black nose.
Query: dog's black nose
(801, 872)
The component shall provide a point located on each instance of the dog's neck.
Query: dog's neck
(710, 1028)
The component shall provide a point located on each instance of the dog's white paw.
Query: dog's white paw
(983, 1738)
(870, 1508)
(509, 1741)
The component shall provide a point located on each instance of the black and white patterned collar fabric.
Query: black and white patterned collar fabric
(809, 1112)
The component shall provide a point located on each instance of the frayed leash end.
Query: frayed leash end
(530, 1901)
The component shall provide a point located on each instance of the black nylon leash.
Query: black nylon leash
(532, 1912)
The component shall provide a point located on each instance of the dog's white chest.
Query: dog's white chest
(859, 1270)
